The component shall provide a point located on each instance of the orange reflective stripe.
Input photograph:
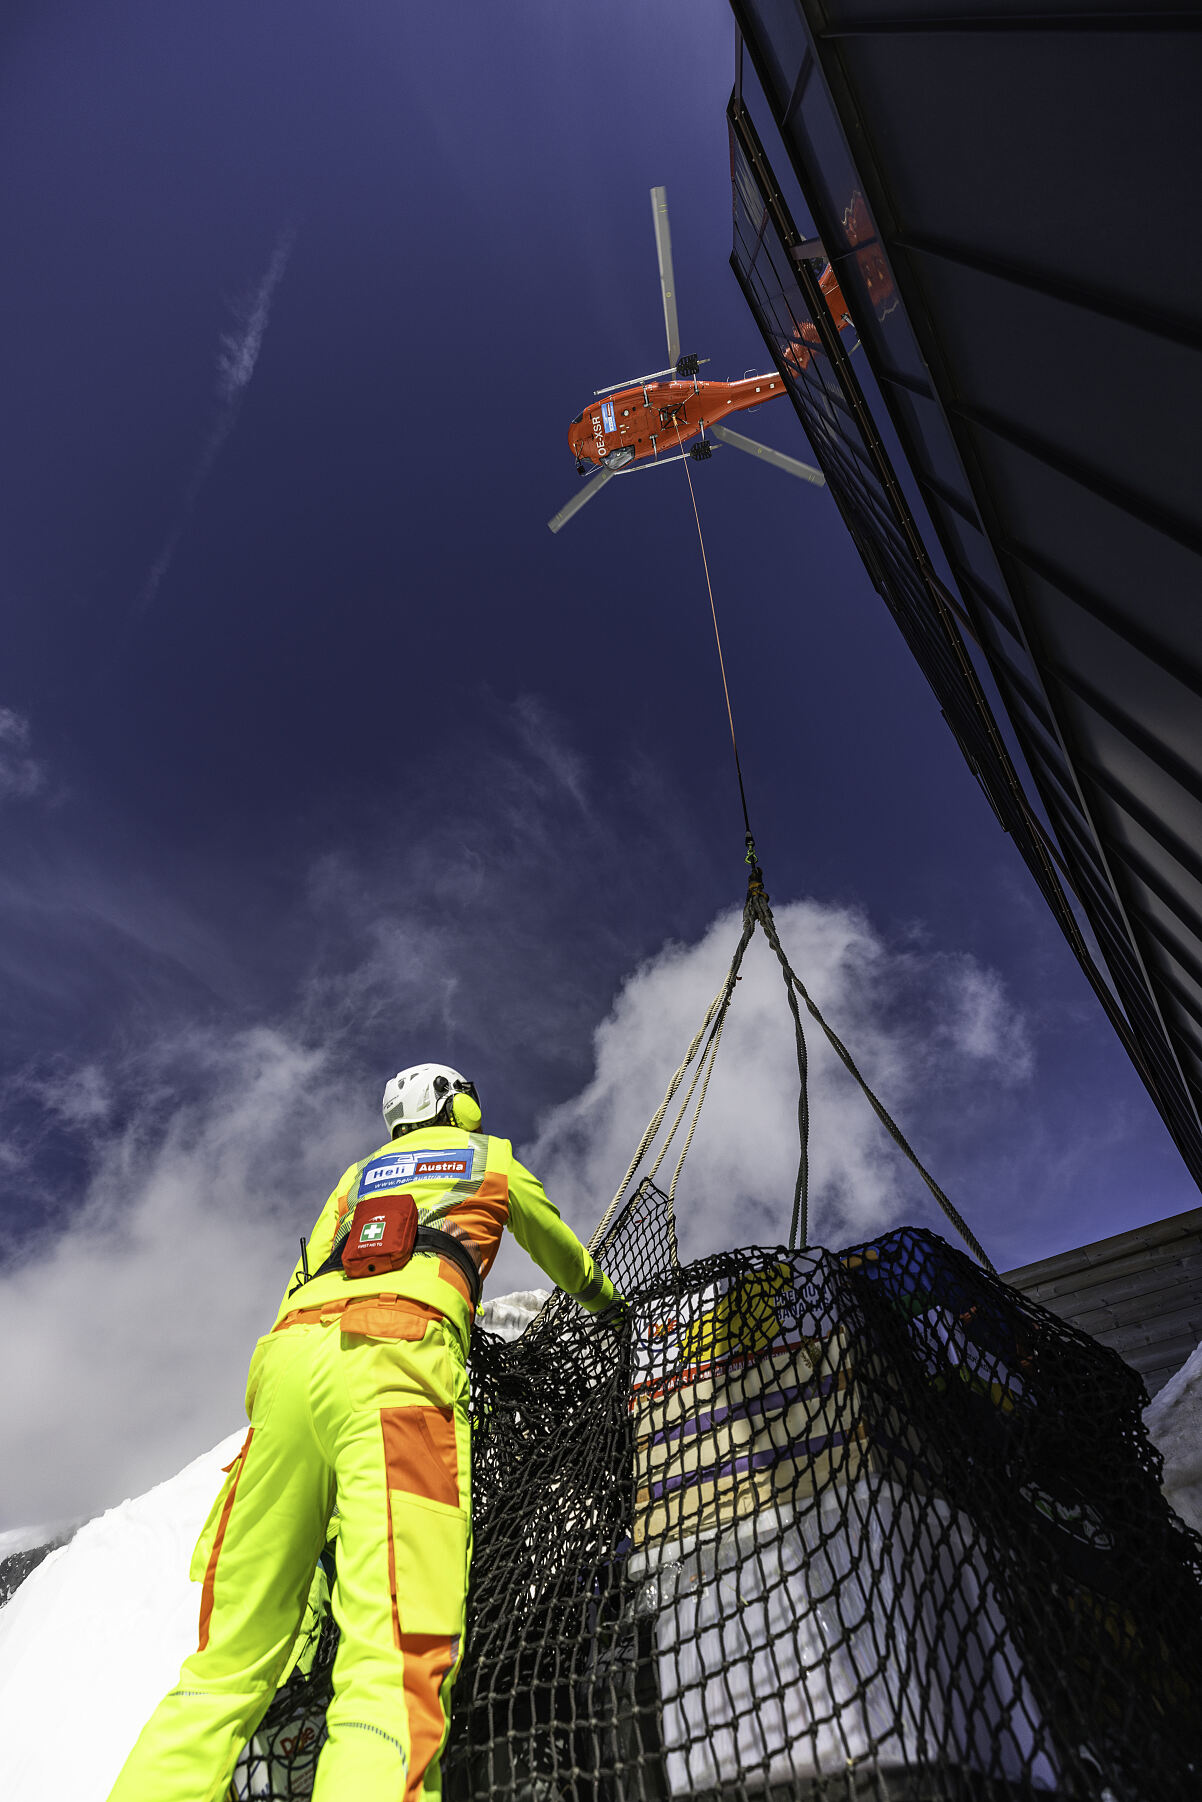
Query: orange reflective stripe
(427, 1662)
(479, 1220)
(451, 1273)
(206, 1593)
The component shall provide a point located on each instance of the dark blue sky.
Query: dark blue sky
(295, 670)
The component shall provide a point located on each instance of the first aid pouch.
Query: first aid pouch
(382, 1236)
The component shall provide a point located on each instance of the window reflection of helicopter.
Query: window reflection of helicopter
(652, 419)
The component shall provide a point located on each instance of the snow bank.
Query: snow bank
(1174, 1423)
(96, 1634)
(510, 1315)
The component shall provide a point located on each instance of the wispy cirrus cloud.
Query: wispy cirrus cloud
(21, 774)
(239, 349)
(237, 356)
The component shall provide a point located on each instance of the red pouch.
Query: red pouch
(382, 1236)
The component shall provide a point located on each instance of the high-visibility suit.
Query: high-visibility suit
(357, 1399)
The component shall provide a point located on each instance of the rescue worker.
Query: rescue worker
(357, 1399)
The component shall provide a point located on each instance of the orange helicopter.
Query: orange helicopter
(655, 418)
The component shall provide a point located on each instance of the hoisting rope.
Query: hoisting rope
(714, 1013)
(734, 743)
(758, 904)
(755, 886)
(756, 911)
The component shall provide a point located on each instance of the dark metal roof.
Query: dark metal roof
(1025, 178)
(1139, 1293)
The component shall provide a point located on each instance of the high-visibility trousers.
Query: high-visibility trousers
(379, 1427)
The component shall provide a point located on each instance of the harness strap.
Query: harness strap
(429, 1238)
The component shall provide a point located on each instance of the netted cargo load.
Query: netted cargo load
(819, 1525)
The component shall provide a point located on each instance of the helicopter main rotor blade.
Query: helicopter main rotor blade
(667, 280)
(805, 471)
(592, 487)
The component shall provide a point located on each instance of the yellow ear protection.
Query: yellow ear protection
(460, 1107)
(465, 1112)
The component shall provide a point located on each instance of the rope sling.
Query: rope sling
(758, 912)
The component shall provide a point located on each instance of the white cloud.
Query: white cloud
(982, 1026)
(237, 356)
(239, 349)
(82, 1096)
(125, 1333)
(20, 774)
(925, 1030)
(563, 769)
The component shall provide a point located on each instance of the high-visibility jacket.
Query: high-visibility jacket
(469, 1185)
(361, 1399)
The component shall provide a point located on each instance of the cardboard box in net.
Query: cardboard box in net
(737, 1407)
(819, 1606)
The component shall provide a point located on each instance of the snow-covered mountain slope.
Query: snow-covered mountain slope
(1174, 1423)
(22, 1549)
(96, 1634)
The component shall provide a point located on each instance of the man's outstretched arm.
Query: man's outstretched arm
(538, 1228)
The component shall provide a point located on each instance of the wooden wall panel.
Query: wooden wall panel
(1138, 1292)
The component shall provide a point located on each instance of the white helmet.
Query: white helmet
(416, 1096)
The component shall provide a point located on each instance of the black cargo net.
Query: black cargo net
(818, 1525)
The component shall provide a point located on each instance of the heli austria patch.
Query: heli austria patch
(608, 422)
(397, 1169)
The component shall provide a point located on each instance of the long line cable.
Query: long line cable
(717, 1006)
(734, 743)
